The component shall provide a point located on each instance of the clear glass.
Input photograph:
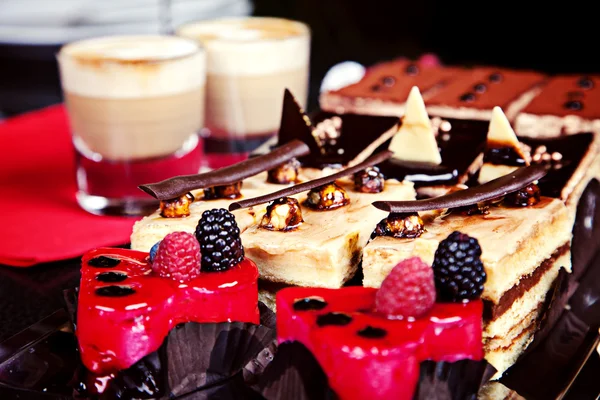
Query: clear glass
(136, 105)
(250, 62)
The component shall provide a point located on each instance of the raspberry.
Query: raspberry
(178, 257)
(219, 238)
(458, 270)
(408, 291)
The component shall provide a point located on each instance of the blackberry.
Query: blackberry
(457, 268)
(220, 243)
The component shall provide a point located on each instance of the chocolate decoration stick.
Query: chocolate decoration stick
(180, 185)
(499, 187)
(303, 187)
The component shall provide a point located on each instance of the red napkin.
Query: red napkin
(39, 216)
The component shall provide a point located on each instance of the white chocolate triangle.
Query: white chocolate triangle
(501, 133)
(415, 140)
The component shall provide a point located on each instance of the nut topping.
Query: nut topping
(284, 173)
(327, 197)
(525, 197)
(369, 180)
(400, 225)
(283, 214)
(178, 207)
(223, 192)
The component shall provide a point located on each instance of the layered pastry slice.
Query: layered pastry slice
(184, 199)
(313, 233)
(568, 104)
(524, 238)
(384, 88)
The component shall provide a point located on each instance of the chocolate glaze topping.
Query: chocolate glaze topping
(496, 188)
(177, 186)
(302, 187)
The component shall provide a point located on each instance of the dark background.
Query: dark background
(551, 37)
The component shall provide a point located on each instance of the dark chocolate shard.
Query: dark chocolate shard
(586, 230)
(492, 190)
(547, 371)
(296, 125)
(180, 185)
(553, 308)
(457, 380)
(70, 301)
(295, 374)
(585, 301)
(303, 187)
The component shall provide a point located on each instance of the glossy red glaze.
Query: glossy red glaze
(116, 332)
(378, 368)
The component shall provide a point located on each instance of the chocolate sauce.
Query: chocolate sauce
(573, 105)
(585, 83)
(104, 262)
(412, 69)
(111, 277)
(467, 97)
(480, 88)
(309, 304)
(572, 148)
(115, 291)
(333, 318)
(496, 77)
(466, 141)
(371, 332)
(389, 81)
(376, 88)
(504, 156)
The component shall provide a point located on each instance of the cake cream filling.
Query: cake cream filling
(514, 242)
(325, 250)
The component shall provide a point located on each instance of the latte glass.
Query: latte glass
(250, 61)
(136, 105)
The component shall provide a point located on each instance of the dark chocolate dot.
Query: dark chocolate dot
(495, 77)
(376, 88)
(104, 262)
(389, 81)
(333, 318)
(309, 303)
(480, 88)
(585, 83)
(412, 69)
(467, 97)
(574, 105)
(372, 333)
(115, 291)
(111, 277)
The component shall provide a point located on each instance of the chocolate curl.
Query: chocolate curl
(492, 190)
(303, 187)
(180, 185)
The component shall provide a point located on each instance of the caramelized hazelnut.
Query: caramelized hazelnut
(223, 192)
(283, 214)
(474, 209)
(369, 180)
(178, 207)
(527, 196)
(284, 173)
(327, 197)
(400, 225)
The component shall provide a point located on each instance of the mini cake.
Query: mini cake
(184, 199)
(370, 342)
(130, 300)
(524, 241)
(384, 88)
(566, 105)
(475, 95)
(313, 233)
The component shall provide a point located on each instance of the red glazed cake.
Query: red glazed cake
(366, 354)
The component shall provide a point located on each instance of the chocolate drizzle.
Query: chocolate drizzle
(177, 186)
(302, 187)
(496, 188)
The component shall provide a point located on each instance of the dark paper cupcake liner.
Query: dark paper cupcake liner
(194, 356)
(459, 380)
(294, 374)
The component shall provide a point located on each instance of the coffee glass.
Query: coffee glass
(250, 62)
(136, 105)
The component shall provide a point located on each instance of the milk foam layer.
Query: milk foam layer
(132, 66)
(251, 46)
